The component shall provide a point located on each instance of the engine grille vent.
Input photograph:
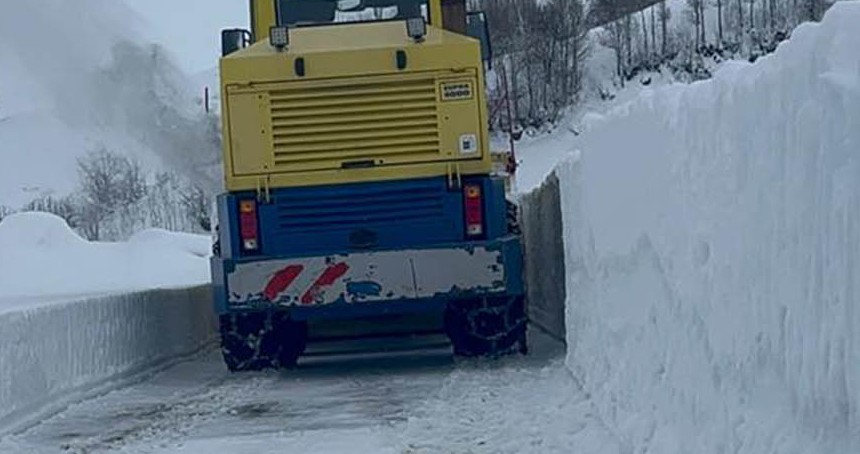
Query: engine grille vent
(357, 121)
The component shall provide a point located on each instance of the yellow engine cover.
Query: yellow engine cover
(355, 113)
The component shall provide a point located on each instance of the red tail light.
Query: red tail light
(474, 210)
(248, 225)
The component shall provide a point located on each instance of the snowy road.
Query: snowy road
(412, 402)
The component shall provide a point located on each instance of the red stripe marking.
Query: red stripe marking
(329, 277)
(281, 281)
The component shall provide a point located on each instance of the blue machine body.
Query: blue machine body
(345, 251)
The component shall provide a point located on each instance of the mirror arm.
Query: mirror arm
(489, 41)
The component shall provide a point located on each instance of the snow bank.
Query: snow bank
(41, 256)
(713, 255)
(54, 355)
(541, 220)
(55, 348)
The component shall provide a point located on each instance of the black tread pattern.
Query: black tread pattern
(513, 218)
(489, 326)
(261, 340)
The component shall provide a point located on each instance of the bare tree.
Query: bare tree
(646, 50)
(741, 29)
(539, 49)
(568, 35)
(5, 211)
(108, 182)
(613, 38)
(654, 28)
(540, 45)
(771, 10)
(195, 201)
(665, 15)
(752, 14)
(695, 15)
(628, 25)
(720, 21)
(813, 10)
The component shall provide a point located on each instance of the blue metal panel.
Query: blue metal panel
(495, 209)
(365, 216)
(361, 217)
(340, 218)
(228, 221)
(512, 254)
(346, 219)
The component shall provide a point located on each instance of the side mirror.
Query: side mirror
(233, 40)
(477, 27)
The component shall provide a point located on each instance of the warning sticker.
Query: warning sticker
(457, 91)
(468, 144)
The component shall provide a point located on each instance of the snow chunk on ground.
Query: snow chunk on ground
(41, 256)
(713, 243)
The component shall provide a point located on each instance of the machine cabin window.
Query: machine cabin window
(297, 13)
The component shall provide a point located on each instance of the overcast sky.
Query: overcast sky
(190, 29)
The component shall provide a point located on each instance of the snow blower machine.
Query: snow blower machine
(359, 179)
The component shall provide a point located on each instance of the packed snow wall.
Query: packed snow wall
(540, 217)
(713, 255)
(55, 354)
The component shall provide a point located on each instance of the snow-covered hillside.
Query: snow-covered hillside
(713, 242)
(77, 77)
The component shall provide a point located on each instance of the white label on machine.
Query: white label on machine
(457, 91)
(469, 144)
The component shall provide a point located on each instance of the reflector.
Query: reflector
(248, 225)
(474, 210)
